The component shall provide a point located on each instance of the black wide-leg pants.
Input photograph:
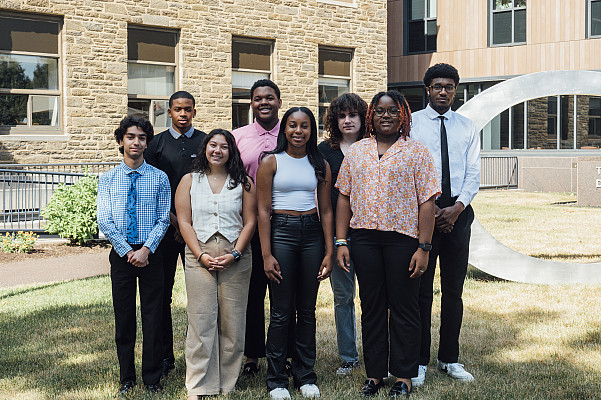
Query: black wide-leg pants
(381, 260)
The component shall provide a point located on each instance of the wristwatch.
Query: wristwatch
(425, 246)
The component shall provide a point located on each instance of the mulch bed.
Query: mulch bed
(51, 250)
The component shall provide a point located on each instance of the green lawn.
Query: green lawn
(520, 341)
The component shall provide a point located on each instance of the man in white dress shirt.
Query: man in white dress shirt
(455, 146)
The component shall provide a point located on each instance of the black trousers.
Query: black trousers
(170, 250)
(297, 243)
(381, 260)
(124, 279)
(254, 339)
(453, 250)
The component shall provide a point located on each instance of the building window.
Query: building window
(251, 61)
(420, 27)
(29, 74)
(334, 77)
(508, 22)
(594, 18)
(151, 73)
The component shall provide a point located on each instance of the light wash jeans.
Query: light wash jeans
(343, 287)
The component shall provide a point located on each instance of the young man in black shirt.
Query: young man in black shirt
(172, 151)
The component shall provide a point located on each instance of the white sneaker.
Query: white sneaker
(279, 393)
(309, 390)
(421, 376)
(455, 371)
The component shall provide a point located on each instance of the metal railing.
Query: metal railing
(498, 172)
(27, 189)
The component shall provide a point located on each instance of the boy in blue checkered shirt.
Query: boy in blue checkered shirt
(134, 200)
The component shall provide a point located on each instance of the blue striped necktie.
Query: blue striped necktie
(132, 217)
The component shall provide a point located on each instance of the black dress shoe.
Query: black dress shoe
(250, 369)
(400, 389)
(127, 387)
(371, 388)
(154, 388)
(168, 366)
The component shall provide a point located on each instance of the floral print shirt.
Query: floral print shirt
(385, 193)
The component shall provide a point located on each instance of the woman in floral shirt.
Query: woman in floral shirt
(387, 185)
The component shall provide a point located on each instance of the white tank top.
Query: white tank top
(294, 184)
(212, 213)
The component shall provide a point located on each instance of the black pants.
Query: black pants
(381, 260)
(124, 278)
(297, 243)
(171, 250)
(453, 250)
(254, 339)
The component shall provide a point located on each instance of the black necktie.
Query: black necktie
(445, 197)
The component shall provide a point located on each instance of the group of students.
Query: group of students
(266, 206)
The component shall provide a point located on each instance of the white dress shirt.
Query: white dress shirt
(464, 149)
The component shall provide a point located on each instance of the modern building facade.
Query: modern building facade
(70, 70)
(490, 41)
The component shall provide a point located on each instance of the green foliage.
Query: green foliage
(71, 212)
(20, 242)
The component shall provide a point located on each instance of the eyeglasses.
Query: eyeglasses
(448, 88)
(392, 111)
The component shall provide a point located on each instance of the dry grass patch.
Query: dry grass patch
(543, 225)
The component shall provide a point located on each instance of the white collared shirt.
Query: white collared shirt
(464, 149)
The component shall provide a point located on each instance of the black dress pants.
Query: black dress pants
(453, 250)
(170, 250)
(381, 260)
(297, 243)
(124, 279)
(254, 339)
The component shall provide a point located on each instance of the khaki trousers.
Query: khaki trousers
(216, 319)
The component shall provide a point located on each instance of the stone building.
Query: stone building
(71, 69)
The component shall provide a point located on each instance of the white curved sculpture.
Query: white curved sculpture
(488, 254)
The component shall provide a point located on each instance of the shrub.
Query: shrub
(71, 211)
(20, 242)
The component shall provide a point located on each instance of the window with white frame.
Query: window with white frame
(507, 22)
(151, 72)
(420, 28)
(251, 61)
(335, 70)
(594, 18)
(29, 74)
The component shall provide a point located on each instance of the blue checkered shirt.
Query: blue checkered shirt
(152, 208)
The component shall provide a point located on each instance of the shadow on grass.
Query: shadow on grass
(10, 292)
(478, 275)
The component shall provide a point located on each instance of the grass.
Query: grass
(543, 225)
(520, 341)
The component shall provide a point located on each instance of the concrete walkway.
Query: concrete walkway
(55, 269)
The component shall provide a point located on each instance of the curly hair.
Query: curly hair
(233, 165)
(128, 122)
(315, 158)
(405, 113)
(345, 102)
(441, 70)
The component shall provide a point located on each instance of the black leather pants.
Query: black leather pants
(297, 243)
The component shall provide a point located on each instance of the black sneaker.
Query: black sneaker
(126, 387)
(347, 367)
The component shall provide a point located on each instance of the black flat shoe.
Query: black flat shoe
(371, 388)
(288, 368)
(400, 389)
(154, 388)
(168, 366)
(250, 369)
(127, 387)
